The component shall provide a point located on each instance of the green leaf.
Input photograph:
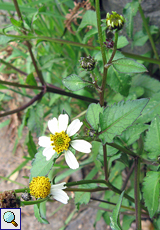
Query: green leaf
(41, 167)
(5, 39)
(152, 141)
(30, 80)
(82, 197)
(126, 65)
(38, 215)
(129, 12)
(16, 23)
(31, 146)
(151, 192)
(74, 82)
(92, 115)
(117, 118)
(115, 225)
(151, 110)
(89, 19)
(122, 41)
(150, 85)
(132, 133)
(119, 82)
(35, 121)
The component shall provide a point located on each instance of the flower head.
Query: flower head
(60, 141)
(40, 187)
(87, 63)
(114, 21)
(8, 199)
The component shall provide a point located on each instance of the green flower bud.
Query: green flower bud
(87, 63)
(114, 21)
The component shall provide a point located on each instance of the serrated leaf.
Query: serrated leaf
(41, 167)
(89, 19)
(92, 115)
(122, 41)
(119, 82)
(127, 65)
(132, 133)
(82, 197)
(115, 119)
(151, 192)
(151, 109)
(129, 12)
(152, 141)
(115, 215)
(38, 215)
(74, 82)
(31, 146)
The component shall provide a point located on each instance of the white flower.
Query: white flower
(59, 141)
(58, 194)
(40, 187)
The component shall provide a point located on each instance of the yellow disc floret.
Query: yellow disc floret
(114, 21)
(40, 187)
(60, 141)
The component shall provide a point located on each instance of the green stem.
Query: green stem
(148, 31)
(86, 189)
(114, 48)
(100, 32)
(21, 190)
(33, 202)
(137, 194)
(62, 41)
(105, 162)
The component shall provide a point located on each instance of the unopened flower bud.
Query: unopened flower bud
(87, 63)
(109, 43)
(114, 21)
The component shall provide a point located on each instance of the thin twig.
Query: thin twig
(128, 176)
(37, 97)
(39, 73)
(12, 67)
(137, 194)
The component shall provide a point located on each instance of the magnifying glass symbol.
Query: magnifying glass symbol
(9, 217)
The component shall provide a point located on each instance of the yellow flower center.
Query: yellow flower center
(40, 187)
(60, 141)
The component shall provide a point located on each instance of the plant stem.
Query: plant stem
(37, 97)
(12, 67)
(33, 202)
(39, 73)
(105, 162)
(148, 31)
(128, 176)
(137, 194)
(99, 189)
(77, 44)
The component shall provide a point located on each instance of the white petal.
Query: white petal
(58, 186)
(81, 146)
(60, 195)
(44, 141)
(62, 122)
(48, 153)
(74, 127)
(71, 160)
(53, 125)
